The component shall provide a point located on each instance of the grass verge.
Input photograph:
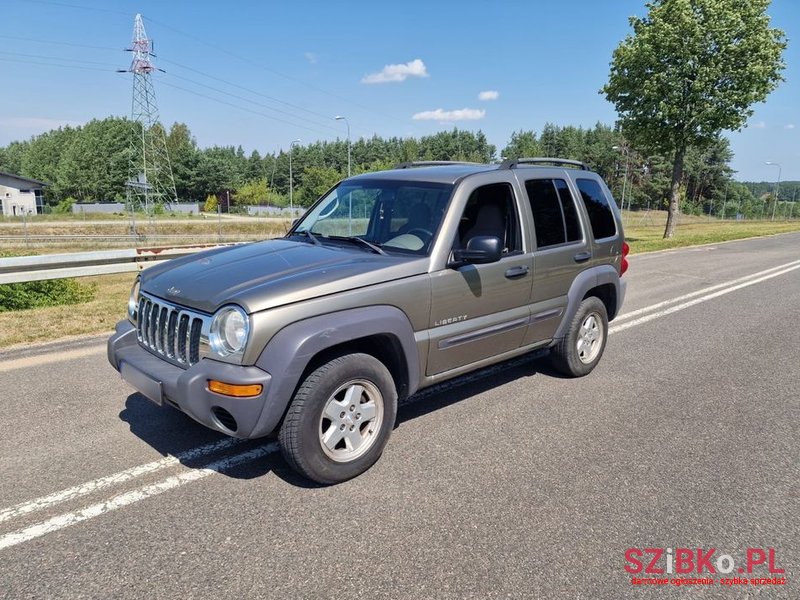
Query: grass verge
(54, 322)
(650, 238)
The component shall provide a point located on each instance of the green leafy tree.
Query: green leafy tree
(12, 156)
(252, 192)
(691, 69)
(182, 149)
(316, 181)
(523, 144)
(43, 156)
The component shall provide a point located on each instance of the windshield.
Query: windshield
(397, 216)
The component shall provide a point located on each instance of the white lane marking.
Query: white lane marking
(46, 359)
(717, 294)
(98, 484)
(732, 282)
(122, 500)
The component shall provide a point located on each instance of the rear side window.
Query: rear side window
(596, 203)
(555, 218)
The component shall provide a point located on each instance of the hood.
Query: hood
(266, 274)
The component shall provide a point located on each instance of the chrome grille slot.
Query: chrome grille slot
(171, 334)
(183, 336)
(170, 331)
(194, 341)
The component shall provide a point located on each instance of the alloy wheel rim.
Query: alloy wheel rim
(590, 338)
(351, 420)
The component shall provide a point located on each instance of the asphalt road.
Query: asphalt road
(512, 484)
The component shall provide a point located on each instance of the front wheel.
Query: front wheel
(340, 419)
(581, 348)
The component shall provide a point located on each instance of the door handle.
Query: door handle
(582, 256)
(515, 272)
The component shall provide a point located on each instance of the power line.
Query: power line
(44, 64)
(252, 91)
(292, 115)
(255, 112)
(51, 42)
(43, 57)
(79, 6)
(249, 61)
(206, 44)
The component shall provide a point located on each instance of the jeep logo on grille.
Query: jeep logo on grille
(173, 291)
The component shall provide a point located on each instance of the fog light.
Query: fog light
(234, 390)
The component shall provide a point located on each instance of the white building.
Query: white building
(20, 195)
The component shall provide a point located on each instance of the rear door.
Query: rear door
(604, 229)
(561, 249)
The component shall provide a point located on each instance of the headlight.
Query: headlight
(230, 329)
(133, 301)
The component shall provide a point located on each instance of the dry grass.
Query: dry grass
(54, 322)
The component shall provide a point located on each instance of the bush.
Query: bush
(211, 204)
(37, 294)
(65, 206)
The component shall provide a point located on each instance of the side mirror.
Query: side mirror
(480, 250)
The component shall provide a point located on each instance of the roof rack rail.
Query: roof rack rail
(434, 163)
(558, 162)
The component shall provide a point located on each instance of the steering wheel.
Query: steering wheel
(423, 234)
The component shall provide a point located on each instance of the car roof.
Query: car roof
(433, 174)
(451, 173)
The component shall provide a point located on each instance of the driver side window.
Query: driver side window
(491, 211)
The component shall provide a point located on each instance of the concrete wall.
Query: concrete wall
(183, 208)
(118, 207)
(98, 207)
(273, 211)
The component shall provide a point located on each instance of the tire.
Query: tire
(579, 351)
(340, 419)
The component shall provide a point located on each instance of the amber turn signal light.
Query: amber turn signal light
(234, 390)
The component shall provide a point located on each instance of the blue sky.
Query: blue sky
(393, 69)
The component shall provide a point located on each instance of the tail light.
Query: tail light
(625, 250)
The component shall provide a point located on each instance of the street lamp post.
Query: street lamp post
(291, 182)
(346, 122)
(626, 150)
(777, 186)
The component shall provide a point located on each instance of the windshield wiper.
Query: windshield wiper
(354, 238)
(310, 236)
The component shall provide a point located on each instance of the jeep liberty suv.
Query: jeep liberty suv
(391, 282)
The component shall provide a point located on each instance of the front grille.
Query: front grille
(170, 331)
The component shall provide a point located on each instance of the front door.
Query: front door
(479, 311)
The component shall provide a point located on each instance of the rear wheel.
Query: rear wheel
(581, 348)
(340, 419)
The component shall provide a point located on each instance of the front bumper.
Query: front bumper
(187, 389)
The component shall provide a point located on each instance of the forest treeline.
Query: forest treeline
(92, 163)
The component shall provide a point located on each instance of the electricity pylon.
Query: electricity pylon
(151, 180)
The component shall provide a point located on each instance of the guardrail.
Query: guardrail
(19, 269)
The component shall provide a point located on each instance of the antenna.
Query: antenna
(151, 180)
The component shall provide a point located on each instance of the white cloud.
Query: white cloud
(489, 95)
(464, 114)
(311, 57)
(759, 125)
(789, 126)
(396, 73)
